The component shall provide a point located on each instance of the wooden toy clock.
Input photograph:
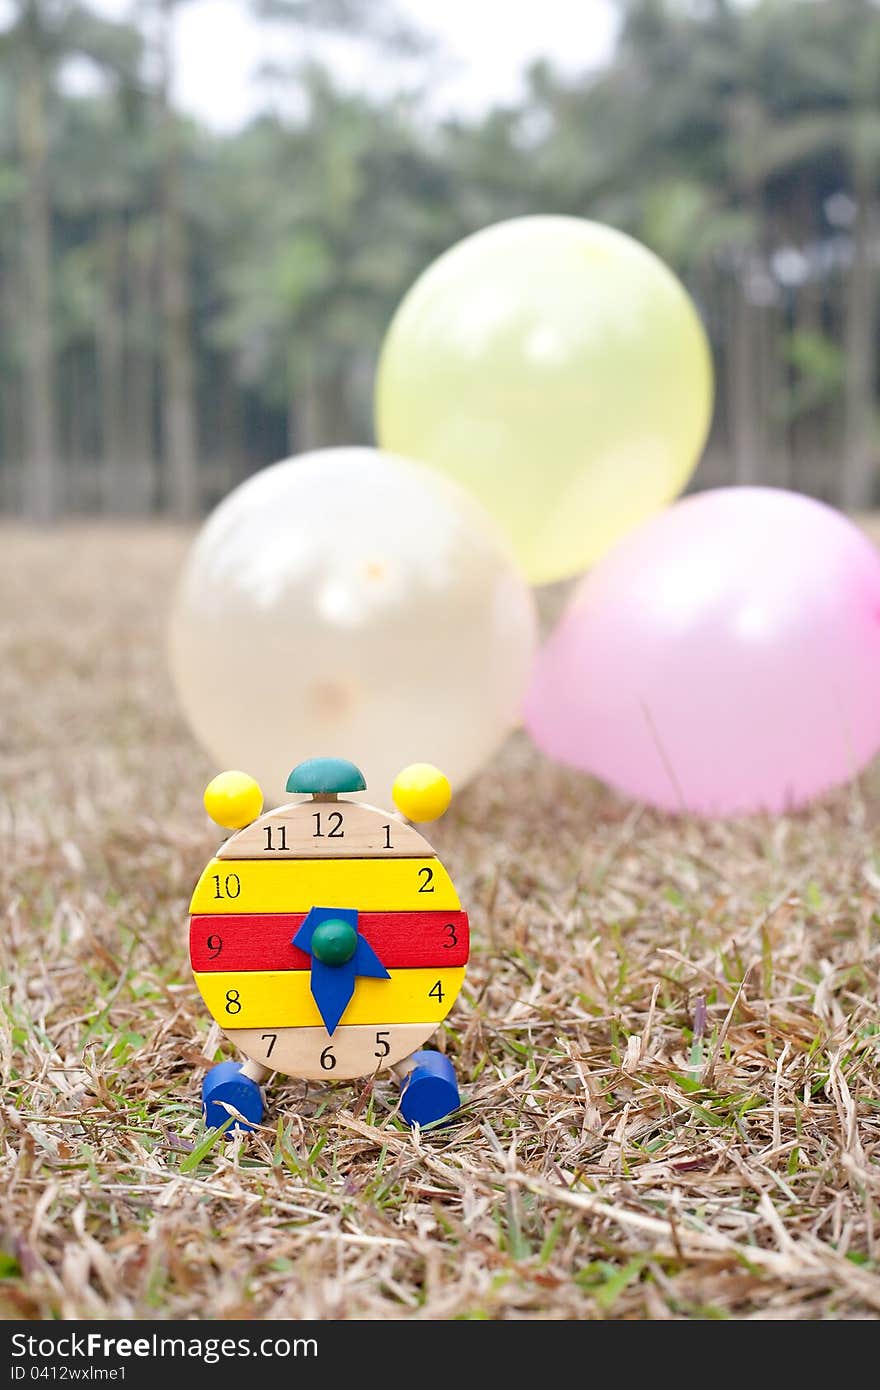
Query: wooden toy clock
(327, 939)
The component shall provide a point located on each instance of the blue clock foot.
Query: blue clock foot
(226, 1083)
(430, 1091)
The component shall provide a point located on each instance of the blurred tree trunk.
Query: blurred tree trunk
(294, 425)
(319, 417)
(774, 443)
(10, 393)
(81, 493)
(10, 423)
(178, 374)
(339, 425)
(762, 388)
(116, 463)
(40, 481)
(810, 432)
(860, 344)
(140, 382)
(231, 423)
(740, 391)
(863, 294)
(304, 413)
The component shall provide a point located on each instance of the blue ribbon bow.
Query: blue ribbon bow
(333, 985)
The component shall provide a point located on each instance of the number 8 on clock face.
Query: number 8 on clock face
(326, 938)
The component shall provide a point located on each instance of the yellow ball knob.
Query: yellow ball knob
(233, 800)
(421, 792)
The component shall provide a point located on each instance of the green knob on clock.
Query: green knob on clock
(326, 777)
(334, 942)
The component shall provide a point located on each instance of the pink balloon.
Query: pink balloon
(723, 658)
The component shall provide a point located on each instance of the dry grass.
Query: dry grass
(669, 1033)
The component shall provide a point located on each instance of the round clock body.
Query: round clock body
(327, 939)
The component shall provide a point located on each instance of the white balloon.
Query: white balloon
(349, 603)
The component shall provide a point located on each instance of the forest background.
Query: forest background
(181, 305)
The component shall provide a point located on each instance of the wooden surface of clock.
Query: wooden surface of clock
(327, 940)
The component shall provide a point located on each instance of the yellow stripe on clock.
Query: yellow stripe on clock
(296, 885)
(283, 998)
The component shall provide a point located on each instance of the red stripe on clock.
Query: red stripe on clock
(262, 941)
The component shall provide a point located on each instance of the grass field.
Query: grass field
(668, 1035)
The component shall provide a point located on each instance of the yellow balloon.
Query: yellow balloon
(233, 799)
(351, 604)
(422, 792)
(557, 369)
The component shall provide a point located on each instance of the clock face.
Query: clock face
(308, 883)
